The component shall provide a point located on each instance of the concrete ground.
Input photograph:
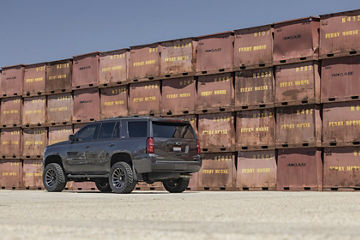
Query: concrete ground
(191, 215)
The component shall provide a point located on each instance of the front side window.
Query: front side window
(87, 133)
(107, 130)
(137, 129)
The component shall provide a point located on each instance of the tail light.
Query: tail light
(197, 146)
(150, 145)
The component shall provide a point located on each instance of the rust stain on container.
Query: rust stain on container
(85, 70)
(254, 88)
(86, 105)
(339, 34)
(298, 126)
(215, 93)
(59, 134)
(297, 84)
(59, 76)
(144, 62)
(255, 129)
(114, 102)
(32, 174)
(11, 174)
(178, 57)
(256, 170)
(34, 141)
(144, 98)
(253, 47)
(215, 53)
(216, 132)
(114, 67)
(340, 79)
(34, 79)
(11, 109)
(218, 172)
(59, 109)
(178, 96)
(12, 80)
(11, 143)
(299, 169)
(34, 111)
(296, 40)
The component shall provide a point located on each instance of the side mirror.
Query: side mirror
(72, 138)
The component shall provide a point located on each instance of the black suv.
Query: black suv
(117, 153)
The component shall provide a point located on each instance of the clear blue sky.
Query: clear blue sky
(44, 30)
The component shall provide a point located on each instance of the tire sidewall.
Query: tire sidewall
(127, 181)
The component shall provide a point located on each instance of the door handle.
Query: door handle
(111, 144)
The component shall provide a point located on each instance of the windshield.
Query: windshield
(172, 130)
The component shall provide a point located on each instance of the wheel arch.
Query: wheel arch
(53, 159)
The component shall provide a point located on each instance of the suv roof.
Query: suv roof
(145, 118)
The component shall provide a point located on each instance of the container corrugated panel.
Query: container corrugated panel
(255, 129)
(215, 93)
(341, 123)
(12, 80)
(339, 34)
(11, 110)
(253, 47)
(114, 102)
(217, 172)
(86, 105)
(59, 134)
(34, 111)
(256, 170)
(11, 174)
(114, 67)
(340, 79)
(85, 72)
(298, 126)
(194, 182)
(216, 132)
(59, 76)
(32, 174)
(34, 142)
(178, 96)
(178, 57)
(11, 143)
(59, 109)
(296, 40)
(144, 98)
(254, 89)
(144, 62)
(341, 168)
(299, 169)
(297, 84)
(34, 79)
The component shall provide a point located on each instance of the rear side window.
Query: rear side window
(172, 130)
(107, 130)
(137, 129)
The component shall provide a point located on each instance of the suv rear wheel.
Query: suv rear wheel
(54, 178)
(176, 185)
(103, 185)
(121, 178)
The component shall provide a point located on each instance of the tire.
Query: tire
(121, 178)
(103, 185)
(54, 179)
(176, 185)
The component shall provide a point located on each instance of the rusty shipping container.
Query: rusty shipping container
(340, 79)
(11, 174)
(34, 142)
(216, 132)
(59, 134)
(298, 126)
(297, 84)
(32, 174)
(299, 169)
(59, 76)
(178, 96)
(215, 53)
(144, 98)
(86, 105)
(254, 88)
(144, 62)
(256, 170)
(253, 47)
(11, 110)
(215, 93)
(178, 57)
(12, 80)
(296, 40)
(255, 129)
(11, 145)
(218, 172)
(114, 67)
(194, 182)
(34, 111)
(339, 34)
(59, 109)
(114, 102)
(82, 186)
(34, 79)
(85, 71)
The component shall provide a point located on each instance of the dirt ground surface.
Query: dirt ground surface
(190, 215)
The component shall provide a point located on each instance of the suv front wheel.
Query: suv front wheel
(54, 178)
(176, 185)
(121, 178)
